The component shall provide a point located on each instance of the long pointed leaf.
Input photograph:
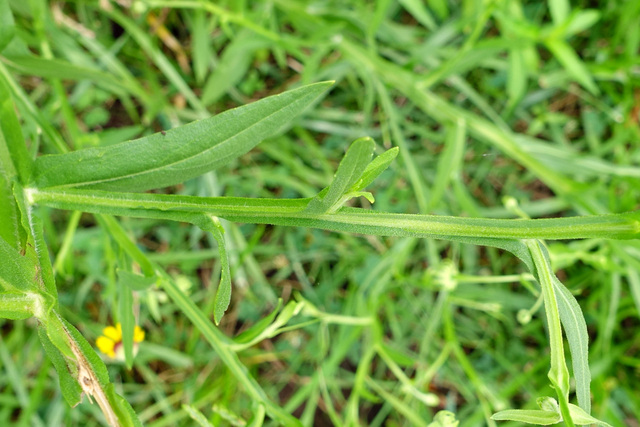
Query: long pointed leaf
(174, 156)
(575, 329)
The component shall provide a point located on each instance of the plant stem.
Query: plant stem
(290, 212)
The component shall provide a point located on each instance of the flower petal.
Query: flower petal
(138, 334)
(114, 334)
(106, 345)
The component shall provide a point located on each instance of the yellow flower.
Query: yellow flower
(110, 342)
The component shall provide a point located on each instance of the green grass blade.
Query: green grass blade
(559, 10)
(572, 63)
(144, 41)
(419, 11)
(233, 65)
(57, 68)
(12, 142)
(220, 345)
(185, 152)
(449, 162)
(7, 24)
(127, 319)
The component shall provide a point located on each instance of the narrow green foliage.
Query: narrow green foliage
(7, 25)
(127, 319)
(164, 159)
(559, 10)
(223, 295)
(18, 162)
(529, 416)
(572, 63)
(67, 371)
(575, 329)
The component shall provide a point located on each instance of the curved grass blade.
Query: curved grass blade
(13, 150)
(169, 158)
(7, 24)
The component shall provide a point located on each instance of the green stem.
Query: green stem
(290, 212)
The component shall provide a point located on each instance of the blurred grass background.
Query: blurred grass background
(501, 109)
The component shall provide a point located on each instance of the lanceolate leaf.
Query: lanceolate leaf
(71, 390)
(529, 416)
(223, 294)
(374, 169)
(168, 158)
(575, 328)
(349, 172)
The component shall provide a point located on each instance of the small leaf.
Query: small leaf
(375, 168)
(169, 158)
(575, 329)
(530, 416)
(259, 327)
(548, 404)
(580, 417)
(96, 376)
(444, 419)
(223, 295)
(351, 169)
(71, 390)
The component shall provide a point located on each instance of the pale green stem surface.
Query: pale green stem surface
(291, 212)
